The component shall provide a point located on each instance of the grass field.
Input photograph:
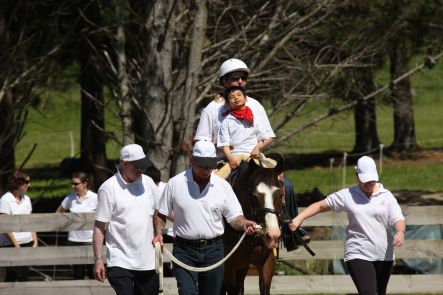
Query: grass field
(55, 127)
(407, 176)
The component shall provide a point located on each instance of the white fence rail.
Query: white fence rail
(332, 284)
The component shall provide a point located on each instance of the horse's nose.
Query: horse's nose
(272, 237)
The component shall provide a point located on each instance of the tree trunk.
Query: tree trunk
(122, 76)
(184, 120)
(93, 139)
(404, 126)
(366, 138)
(152, 114)
(7, 139)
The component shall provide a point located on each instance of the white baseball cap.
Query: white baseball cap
(366, 169)
(204, 154)
(134, 154)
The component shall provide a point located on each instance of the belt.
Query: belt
(198, 242)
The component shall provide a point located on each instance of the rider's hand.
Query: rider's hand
(232, 163)
(255, 152)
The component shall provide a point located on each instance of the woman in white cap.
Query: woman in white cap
(371, 210)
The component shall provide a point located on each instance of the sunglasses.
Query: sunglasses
(27, 181)
(75, 183)
(237, 78)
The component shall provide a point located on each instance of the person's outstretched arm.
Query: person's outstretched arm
(313, 209)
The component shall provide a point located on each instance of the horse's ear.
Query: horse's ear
(252, 165)
(279, 168)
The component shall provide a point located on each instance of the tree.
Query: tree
(401, 96)
(416, 25)
(93, 136)
(25, 51)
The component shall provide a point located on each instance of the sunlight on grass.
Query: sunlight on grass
(337, 133)
(55, 127)
(400, 177)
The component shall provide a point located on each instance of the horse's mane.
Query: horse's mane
(240, 183)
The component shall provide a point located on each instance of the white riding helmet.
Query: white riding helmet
(232, 65)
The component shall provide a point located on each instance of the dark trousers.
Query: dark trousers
(81, 270)
(133, 282)
(18, 273)
(370, 277)
(193, 283)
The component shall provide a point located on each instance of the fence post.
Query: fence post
(331, 174)
(345, 155)
(380, 159)
(71, 140)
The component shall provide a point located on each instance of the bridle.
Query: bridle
(256, 211)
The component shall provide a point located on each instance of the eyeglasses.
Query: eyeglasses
(75, 183)
(237, 78)
(27, 181)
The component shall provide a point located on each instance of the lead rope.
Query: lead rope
(159, 261)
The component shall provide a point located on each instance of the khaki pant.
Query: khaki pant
(224, 171)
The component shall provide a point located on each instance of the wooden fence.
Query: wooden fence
(65, 255)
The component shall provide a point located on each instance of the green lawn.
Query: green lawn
(426, 177)
(337, 133)
(55, 127)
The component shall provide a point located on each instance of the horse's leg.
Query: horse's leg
(234, 281)
(266, 272)
(240, 276)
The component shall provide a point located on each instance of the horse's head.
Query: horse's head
(260, 195)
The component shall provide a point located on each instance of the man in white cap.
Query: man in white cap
(233, 72)
(199, 200)
(124, 216)
(371, 210)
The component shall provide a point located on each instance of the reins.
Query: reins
(159, 261)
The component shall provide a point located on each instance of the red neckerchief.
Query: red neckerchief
(245, 114)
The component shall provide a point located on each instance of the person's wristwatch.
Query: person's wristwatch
(97, 258)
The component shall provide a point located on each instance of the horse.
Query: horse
(259, 193)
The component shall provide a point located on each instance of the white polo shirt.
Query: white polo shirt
(368, 234)
(9, 205)
(199, 215)
(240, 135)
(72, 203)
(128, 208)
(212, 117)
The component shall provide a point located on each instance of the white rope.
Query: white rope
(159, 261)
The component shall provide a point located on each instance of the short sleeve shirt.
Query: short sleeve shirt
(368, 234)
(212, 116)
(240, 135)
(72, 203)
(199, 215)
(128, 208)
(9, 205)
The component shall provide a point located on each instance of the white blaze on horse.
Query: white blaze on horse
(259, 192)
